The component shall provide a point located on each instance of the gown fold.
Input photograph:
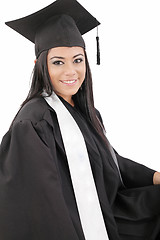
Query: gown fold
(37, 200)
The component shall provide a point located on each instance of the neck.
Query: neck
(69, 100)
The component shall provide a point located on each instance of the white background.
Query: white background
(126, 85)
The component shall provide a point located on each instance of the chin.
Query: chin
(73, 92)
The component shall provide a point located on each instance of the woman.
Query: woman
(59, 176)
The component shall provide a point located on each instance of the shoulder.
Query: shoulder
(34, 111)
(33, 122)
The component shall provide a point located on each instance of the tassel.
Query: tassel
(98, 49)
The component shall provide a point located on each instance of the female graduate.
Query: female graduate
(60, 179)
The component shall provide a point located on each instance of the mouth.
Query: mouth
(69, 82)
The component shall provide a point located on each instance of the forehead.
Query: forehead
(65, 51)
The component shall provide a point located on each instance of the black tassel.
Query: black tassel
(98, 49)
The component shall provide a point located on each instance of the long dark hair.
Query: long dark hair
(83, 99)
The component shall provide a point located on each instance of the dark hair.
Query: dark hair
(83, 99)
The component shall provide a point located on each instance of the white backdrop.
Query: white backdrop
(126, 85)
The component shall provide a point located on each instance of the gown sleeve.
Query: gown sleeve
(32, 205)
(134, 174)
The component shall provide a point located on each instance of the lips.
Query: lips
(69, 82)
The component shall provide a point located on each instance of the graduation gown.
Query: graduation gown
(37, 201)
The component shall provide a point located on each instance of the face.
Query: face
(67, 69)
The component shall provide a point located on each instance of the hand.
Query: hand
(156, 178)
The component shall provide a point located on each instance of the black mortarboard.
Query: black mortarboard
(60, 24)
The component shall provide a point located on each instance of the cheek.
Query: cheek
(83, 73)
(53, 74)
(81, 70)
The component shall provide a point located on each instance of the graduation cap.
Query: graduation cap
(61, 24)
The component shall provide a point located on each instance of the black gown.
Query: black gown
(36, 195)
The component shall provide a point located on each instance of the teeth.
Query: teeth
(69, 81)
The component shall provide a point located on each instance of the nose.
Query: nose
(70, 70)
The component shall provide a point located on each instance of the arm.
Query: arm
(30, 186)
(135, 174)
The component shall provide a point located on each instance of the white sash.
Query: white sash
(81, 174)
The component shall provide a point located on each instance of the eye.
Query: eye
(58, 62)
(78, 60)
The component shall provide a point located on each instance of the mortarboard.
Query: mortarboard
(62, 23)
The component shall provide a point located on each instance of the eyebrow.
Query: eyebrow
(80, 54)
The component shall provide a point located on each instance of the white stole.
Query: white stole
(81, 174)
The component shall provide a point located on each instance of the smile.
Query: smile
(69, 82)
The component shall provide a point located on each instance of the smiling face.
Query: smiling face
(67, 69)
